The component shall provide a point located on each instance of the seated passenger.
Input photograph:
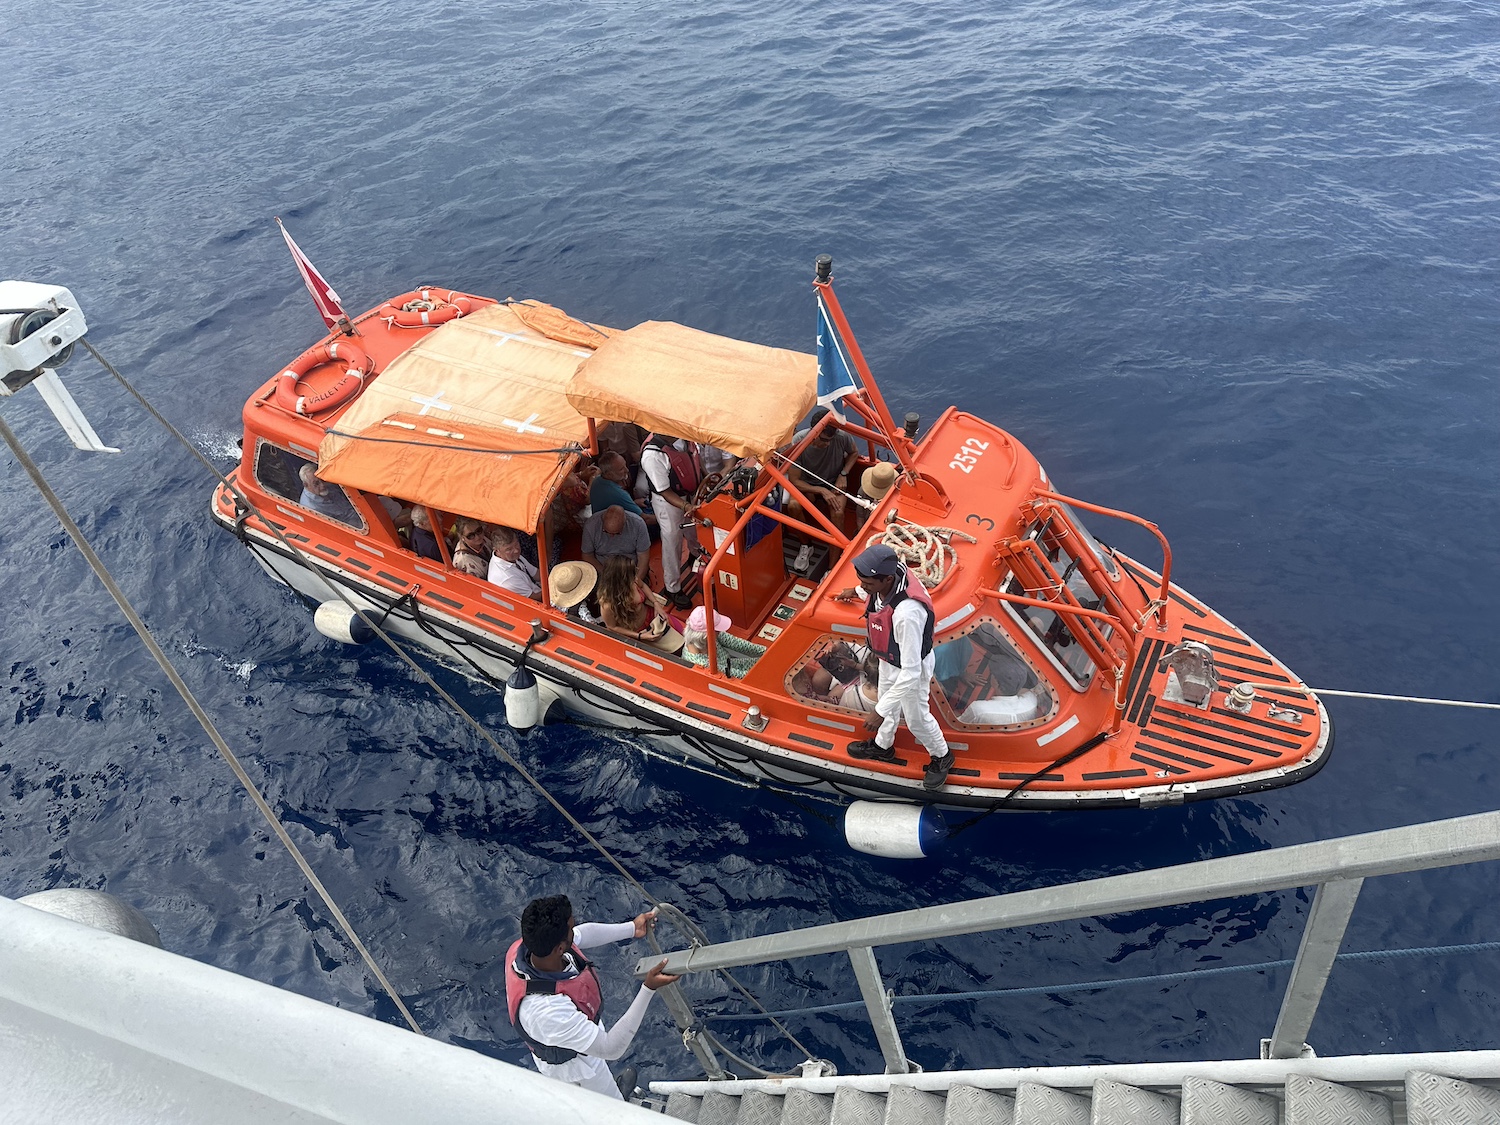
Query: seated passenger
(399, 512)
(423, 541)
(571, 585)
(824, 678)
(623, 439)
(877, 480)
(508, 569)
(471, 552)
(863, 692)
(822, 472)
(614, 531)
(566, 513)
(629, 607)
(324, 498)
(735, 656)
(610, 488)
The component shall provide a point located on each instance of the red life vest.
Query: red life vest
(683, 472)
(878, 621)
(521, 980)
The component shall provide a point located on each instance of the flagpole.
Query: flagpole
(327, 302)
(901, 445)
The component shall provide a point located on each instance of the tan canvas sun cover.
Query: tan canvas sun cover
(449, 422)
(744, 398)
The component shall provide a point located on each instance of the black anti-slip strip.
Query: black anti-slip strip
(715, 712)
(327, 550)
(506, 625)
(1198, 724)
(626, 676)
(571, 655)
(1203, 737)
(1163, 752)
(1112, 774)
(1145, 761)
(396, 578)
(1152, 654)
(1195, 748)
(1024, 776)
(446, 601)
(673, 696)
(352, 561)
(818, 742)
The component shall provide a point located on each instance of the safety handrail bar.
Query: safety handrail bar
(1128, 517)
(1389, 851)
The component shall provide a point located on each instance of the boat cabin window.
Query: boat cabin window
(280, 472)
(1052, 630)
(829, 673)
(986, 682)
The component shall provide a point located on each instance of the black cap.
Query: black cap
(878, 561)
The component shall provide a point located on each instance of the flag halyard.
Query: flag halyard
(327, 301)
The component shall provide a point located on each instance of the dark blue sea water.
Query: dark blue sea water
(1233, 267)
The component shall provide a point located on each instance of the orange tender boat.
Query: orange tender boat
(1068, 675)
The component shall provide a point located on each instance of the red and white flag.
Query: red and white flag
(323, 295)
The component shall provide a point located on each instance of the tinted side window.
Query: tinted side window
(279, 472)
(986, 682)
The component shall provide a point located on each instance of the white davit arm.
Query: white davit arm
(39, 324)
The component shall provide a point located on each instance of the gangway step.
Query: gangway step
(1425, 1099)
(1432, 1099)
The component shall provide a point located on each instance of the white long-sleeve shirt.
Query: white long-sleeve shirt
(908, 683)
(556, 1020)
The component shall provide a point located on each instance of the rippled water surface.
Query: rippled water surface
(1232, 267)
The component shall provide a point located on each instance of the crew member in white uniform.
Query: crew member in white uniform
(900, 621)
(550, 1021)
(671, 508)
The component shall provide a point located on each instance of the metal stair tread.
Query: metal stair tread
(803, 1107)
(718, 1109)
(1435, 1099)
(1206, 1102)
(906, 1105)
(969, 1105)
(683, 1107)
(1115, 1103)
(857, 1107)
(1312, 1101)
(1042, 1105)
(757, 1107)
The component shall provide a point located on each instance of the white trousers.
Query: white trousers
(914, 709)
(669, 519)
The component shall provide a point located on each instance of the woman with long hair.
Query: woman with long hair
(629, 607)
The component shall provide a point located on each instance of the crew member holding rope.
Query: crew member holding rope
(554, 998)
(899, 619)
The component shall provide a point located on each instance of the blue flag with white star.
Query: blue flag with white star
(835, 372)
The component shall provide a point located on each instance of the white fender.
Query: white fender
(523, 700)
(894, 829)
(338, 622)
(99, 909)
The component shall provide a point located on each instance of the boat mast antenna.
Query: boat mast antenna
(39, 324)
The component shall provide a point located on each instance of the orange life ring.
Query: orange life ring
(357, 366)
(437, 308)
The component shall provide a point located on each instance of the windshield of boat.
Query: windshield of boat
(1052, 630)
(986, 682)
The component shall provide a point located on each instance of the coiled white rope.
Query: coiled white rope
(928, 552)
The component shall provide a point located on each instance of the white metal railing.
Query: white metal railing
(1336, 867)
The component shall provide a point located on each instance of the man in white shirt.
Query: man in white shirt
(899, 619)
(508, 569)
(554, 999)
(670, 499)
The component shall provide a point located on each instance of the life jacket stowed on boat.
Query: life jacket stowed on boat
(878, 622)
(357, 365)
(521, 980)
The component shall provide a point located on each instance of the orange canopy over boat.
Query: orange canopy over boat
(747, 399)
(485, 416)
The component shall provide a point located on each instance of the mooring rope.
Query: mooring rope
(1407, 699)
(102, 572)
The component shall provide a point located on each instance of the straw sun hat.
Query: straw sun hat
(570, 583)
(877, 480)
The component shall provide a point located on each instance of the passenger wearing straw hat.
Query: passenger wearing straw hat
(572, 586)
(877, 480)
